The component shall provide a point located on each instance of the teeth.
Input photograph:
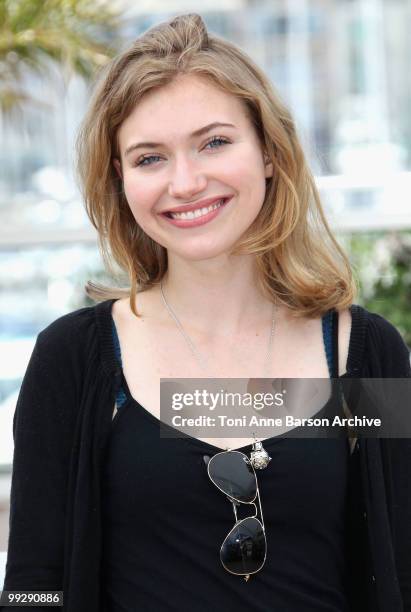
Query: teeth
(199, 212)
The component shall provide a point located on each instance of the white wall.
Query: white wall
(2, 568)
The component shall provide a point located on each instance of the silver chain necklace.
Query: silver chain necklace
(259, 457)
(195, 352)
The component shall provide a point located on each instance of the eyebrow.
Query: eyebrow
(199, 132)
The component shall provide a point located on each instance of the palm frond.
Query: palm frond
(73, 33)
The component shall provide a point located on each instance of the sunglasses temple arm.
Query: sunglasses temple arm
(234, 508)
(261, 510)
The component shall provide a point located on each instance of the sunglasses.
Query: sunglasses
(244, 550)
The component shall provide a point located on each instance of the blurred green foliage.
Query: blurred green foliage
(77, 35)
(382, 263)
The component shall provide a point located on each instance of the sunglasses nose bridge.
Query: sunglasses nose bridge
(236, 504)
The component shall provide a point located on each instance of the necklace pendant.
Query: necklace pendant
(259, 457)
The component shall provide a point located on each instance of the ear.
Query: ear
(117, 166)
(269, 167)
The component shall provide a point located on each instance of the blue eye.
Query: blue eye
(144, 159)
(217, 140)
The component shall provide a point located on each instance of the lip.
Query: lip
(186, 223)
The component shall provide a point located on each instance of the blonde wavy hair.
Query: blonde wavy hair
(299, 261)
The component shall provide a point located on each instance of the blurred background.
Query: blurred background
(342, 66)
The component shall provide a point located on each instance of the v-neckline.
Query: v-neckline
(130, 399)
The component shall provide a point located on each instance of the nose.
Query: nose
(187, 180)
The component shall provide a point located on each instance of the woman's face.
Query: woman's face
(190, 148)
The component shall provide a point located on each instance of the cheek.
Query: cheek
(247, 167)
(140, 195)
(248, 177)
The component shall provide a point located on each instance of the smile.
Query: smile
(194, 214)
(199, 216)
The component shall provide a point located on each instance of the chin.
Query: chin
(199, 252)
(215, 256)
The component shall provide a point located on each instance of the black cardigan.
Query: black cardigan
(61, 427)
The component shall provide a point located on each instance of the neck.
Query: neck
(217, 297)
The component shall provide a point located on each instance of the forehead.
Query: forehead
(176, 110)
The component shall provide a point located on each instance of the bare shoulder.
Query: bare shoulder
(119, 308)
(121, 314)
(145, 303)
(147, 326)
(344, 334)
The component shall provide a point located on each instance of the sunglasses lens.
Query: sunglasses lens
(233, 475)
(244, 549)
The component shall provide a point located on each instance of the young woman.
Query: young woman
(196, 182)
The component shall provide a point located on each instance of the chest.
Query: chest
(150, 353)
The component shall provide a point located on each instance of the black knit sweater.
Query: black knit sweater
(61, 428)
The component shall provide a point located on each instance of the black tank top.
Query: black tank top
(164, 521)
